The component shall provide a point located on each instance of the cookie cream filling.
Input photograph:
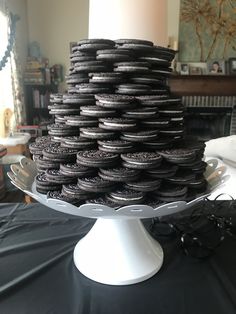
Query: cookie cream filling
(115, 124)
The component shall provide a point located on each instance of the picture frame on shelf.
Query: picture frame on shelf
(197, 68)
(183, 68)
(232, 66)
(216, 67)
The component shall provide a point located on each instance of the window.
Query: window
(6, 92)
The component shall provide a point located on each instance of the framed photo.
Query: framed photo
(216, 67)
(232, 66)
(197, 68)
(184, 68)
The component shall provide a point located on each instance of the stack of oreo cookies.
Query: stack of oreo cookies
(119, 135)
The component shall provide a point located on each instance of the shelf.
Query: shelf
(203, 85)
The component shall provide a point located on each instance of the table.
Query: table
(37, 274)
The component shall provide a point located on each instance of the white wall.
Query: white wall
(142, 19)
(56, 23)
(173, 8)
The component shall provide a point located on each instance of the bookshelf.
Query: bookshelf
(37, 101)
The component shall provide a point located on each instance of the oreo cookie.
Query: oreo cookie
(62, 130)
(133, 89)
(43, 165)
(114, 55)
(156, 123)
(75, 192)
(102, 201)
(57, 195)
(115, 101)
(178, 155)
(182, 177)
(91, 66)
(141, 136)
(139, 113)
(97, 159)
(144, 185)
(171, 193)
(59, 154)
(76, 171)
(80, 121)
(141, 160)
(55, 176)
(94, 44)
(119, 174)
(79, 99)
(96, 133)
(92, 88)
(126, 197)
(78, 142)
(99, 112)
(96, 184)
(43, 186)
(117, 124)
(165, 170)
(116, 146)
(106, 78)
(153, 100)
(77, 78)
(123, 41)
(131, 67)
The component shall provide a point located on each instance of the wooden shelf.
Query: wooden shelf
(203, 85)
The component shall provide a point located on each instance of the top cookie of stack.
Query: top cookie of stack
(119, 135)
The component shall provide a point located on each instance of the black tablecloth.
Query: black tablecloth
(37, 274)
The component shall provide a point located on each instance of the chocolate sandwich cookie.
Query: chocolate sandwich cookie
(58, 154)
(77, 78)
(199, 183)
(133, 89)
(137, 47)
(59, 120)
(94, 44)
(44, 165)
(171, 193)
(55, 176)
(96, 184)
(116, 146)
(80, 121)
(37, 148)
(164, 53)
(146, 79)
(131, 67)
(92, 88)
(139, 113)
(98, 112)
(123, 41)
(117, 124)
(141, 136)
(79, 99)
(114, 101)
(155, 122)
(178, 155)
(42, 139)
(144, 185)
(173, 111)
(175, 132)
(154, 60)
(74, 192)
(63, 112)
(158, 70)
(97, 158)
(152, 100)
(119, 174)
(62, 130)
(141, 160)
(43, 186)
(96, 133)
(115, 55)
(158, 144)
(91, 66)
(106, 78)
(56, 98)
(102, 201)
(182, 177)
(57, 195)
(165, 170)
(76, 171)
(78, 142)
(126, 197)
(77, 58)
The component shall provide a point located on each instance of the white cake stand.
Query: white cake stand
(117, 250)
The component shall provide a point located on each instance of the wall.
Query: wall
(20, 7)
(173, 9)
(56, 23)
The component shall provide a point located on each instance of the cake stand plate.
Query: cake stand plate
(117, 250)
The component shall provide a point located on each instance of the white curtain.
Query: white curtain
(11, 95)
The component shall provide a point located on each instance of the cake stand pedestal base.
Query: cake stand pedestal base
(118, 252)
